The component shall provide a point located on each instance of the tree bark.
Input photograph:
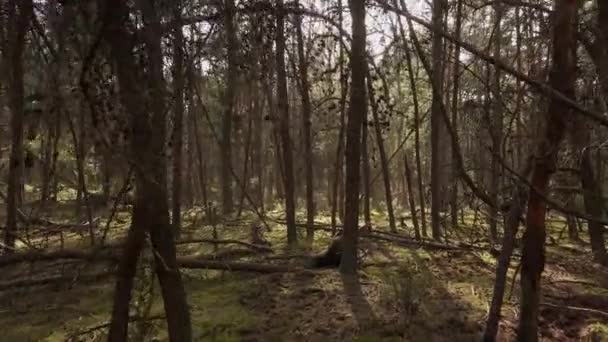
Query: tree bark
(148, 134)
(562, 78)
(439, 146)
(356, 114)
(283, 107)
(410, 195)
(18, 14)
(178, 118)
(307, 131)
(229, 99)
(382, 152)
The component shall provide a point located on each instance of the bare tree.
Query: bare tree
(356, 115)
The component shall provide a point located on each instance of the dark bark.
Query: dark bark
(178, 118)
(18, 15)
(593, 206)
(283, 107)
(356, 114)
(366, 172)
(562, 78)
(410, 195)
(229, 102)
(307, 131)
(417, 148)
(382, 152)
(516, 209)
(439, 146)
(148, 134)
(455, 103)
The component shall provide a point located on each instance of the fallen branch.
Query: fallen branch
(52, 280)
(197, 263)
(258, 248)
(578, 309)
(75, 336)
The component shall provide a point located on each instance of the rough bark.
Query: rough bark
(229, 100)
(439, 146)
(455, 102)
(178, 118)
(382, 152)
(356, 114)
(18, 14)
(151, 209)
(562, 79)
(285, 139)
(307, 130)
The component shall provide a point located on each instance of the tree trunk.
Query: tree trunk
(283, 107)
(439, 146)
(455, 103)
(307, 132)
(356, 114)
(383, 159)
(410, 195)
(18, 14)
(496, 125)
(517, 205)
(366, 171)
(229, 100)
(562, 78)
(151, 209)
(178, 118)
(593, 206)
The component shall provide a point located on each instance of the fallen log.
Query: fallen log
(111, 255)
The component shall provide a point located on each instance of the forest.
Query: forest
(303, 170)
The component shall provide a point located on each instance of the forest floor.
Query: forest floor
(404, 292)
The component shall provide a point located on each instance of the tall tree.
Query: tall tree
(283, 107)
(147, 116)
(19, 13)
(356, 113)
(439, 142)
(229, 102)
(178, 117)
(562, 78)
(307, 131)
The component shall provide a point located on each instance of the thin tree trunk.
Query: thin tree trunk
(496, 125)
(516, 209)
(593, 206)
(229, 102)
(563, 77)
(283, 107)
(307, 132)
(383, 159)
(356, 115)
(417, 148)
(455, 102)
(410, 195)
(366, 173)
(178, 118)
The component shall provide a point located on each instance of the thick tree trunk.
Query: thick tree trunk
(356, 115)
(283, 107)
(594, 207)
(562, 78)
(18, 14)
(306, 132)
(439, 145)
